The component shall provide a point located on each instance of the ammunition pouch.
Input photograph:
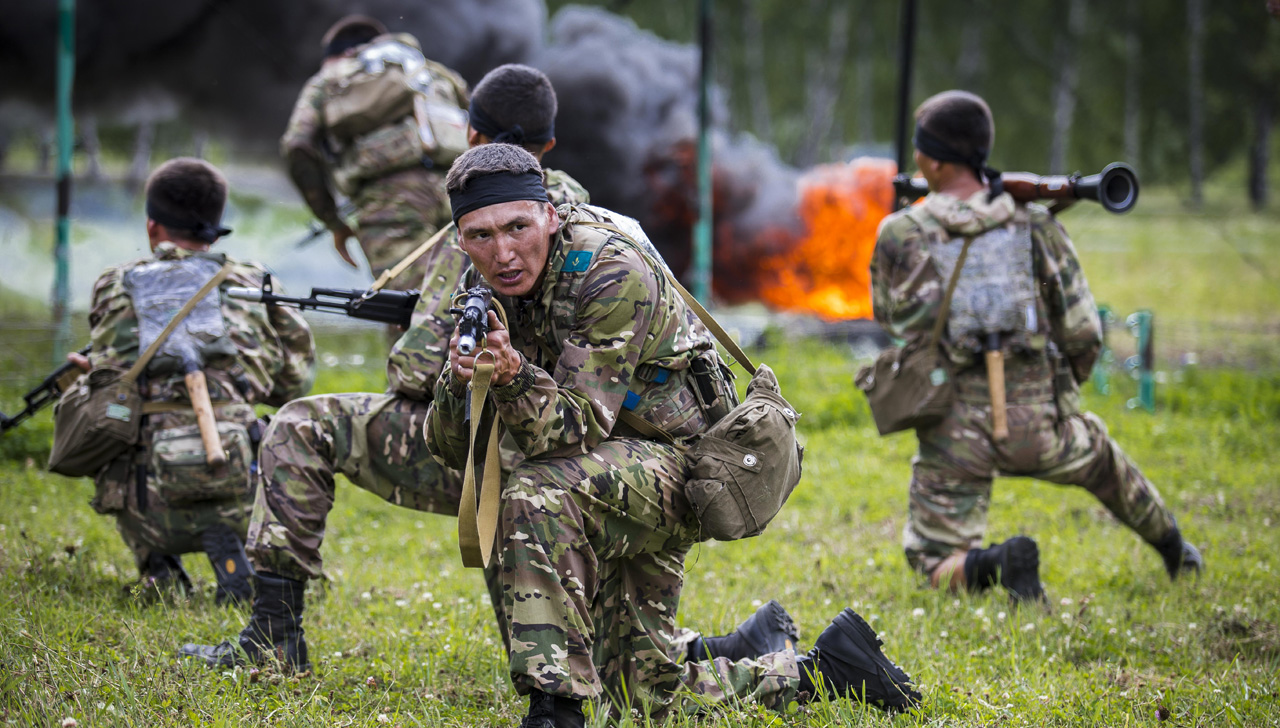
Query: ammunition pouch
(712, 384)
(182, 475)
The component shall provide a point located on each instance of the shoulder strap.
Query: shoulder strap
(707, 319)
(391, 273)
(136, 370)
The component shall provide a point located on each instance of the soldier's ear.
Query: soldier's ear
(475, 138)
(551, 144)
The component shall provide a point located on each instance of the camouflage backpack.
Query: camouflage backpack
(388, 108)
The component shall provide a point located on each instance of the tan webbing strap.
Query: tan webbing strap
(391, 273)
(153, 408)
(135, 371)
(707, 319)
(945, 308)
(478, 517)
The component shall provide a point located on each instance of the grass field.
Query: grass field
(403, 636)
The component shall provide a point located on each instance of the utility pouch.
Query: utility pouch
(389, 149)
(909, 387)
(711, 385)
(111, 486)
(95, 422)
(182, 474)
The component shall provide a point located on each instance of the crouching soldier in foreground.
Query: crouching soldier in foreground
(1020, 292)
(375, 440)
(594, 522)
(166, 499)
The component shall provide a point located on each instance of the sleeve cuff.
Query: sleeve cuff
(519, 386)
(456, 387)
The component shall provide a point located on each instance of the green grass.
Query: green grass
(404, 632)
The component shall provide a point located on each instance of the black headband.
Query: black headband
(934, 148)
(495, 189)
(483, 123)
(201, 230)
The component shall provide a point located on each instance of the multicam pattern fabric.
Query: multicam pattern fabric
(273, 361)
(595, 524)
(420, 355)
(394, 213)
(1048, 439)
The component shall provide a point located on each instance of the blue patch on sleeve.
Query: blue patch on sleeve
(577, 261)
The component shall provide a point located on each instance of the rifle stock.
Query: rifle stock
(1115, 187)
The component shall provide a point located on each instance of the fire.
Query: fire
(827, 270)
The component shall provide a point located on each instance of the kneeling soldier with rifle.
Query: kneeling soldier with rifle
(376, 439)
(595, 522)
(186, 486)
(996, 283)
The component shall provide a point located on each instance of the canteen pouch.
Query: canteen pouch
(183, 477)
(389, 149)
(94, 422)
(745, 466)
(908, 387)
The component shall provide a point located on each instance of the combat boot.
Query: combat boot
(230, 565)
(1014, 565)
(770, 629)
(274, 632)
(162, 574)
(1178, 555)
(847, 661)
(553, 711)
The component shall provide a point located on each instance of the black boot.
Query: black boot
(1014, 565)
(1178, 555)
(164, 573)
(848, 662)
(274, 631)
(553, 711)
(770, 629)
(230, 565)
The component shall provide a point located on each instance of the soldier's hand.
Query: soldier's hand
(79, 360)
(506, 360)
(340, 237)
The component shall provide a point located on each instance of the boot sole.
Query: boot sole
(1021, 570)
(899, 694)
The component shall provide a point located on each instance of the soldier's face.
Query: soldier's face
(509, 243)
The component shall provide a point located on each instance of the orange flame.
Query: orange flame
(827, 271)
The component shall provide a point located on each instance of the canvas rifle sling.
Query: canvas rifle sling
(478, 515)
(394, 271)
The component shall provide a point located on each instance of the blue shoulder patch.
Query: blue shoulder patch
(577, 261)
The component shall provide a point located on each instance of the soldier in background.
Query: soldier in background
(334, 143)
(1021, 260)
(165, 499)
(376, 439)
(595, 524)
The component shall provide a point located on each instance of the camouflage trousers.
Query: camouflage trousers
(952, 474)
(395, 215)
(373, 439)
(592, 556)
(152, 518)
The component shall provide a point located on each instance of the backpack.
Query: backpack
(388, 108)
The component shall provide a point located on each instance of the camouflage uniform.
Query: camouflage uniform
(595, 524)
(1049, 438)
(373, 439)
(273, 362)
(394, 213)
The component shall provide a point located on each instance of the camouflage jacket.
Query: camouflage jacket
(907, 289)
(602, 323)
(309, 155)
(275, 355)
(421, 354)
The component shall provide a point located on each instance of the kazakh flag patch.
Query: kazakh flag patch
(577, 261)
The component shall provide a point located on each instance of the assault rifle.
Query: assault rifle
(388, 307)
(473, 318)
(1115, 188)
(46, 392)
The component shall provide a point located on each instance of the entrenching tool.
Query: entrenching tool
(159, 289)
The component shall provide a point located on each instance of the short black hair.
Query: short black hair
(349, 32)
(960, 119)
(515, 94)
(489, 159)
(187, 188)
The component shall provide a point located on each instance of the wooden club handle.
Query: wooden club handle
(198, 390)
(995, 382)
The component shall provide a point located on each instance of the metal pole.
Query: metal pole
(66, 136)
(702, 238)
(906, 54)
(1142, 324)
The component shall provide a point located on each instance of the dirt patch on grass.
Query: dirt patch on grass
(1250, 639)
